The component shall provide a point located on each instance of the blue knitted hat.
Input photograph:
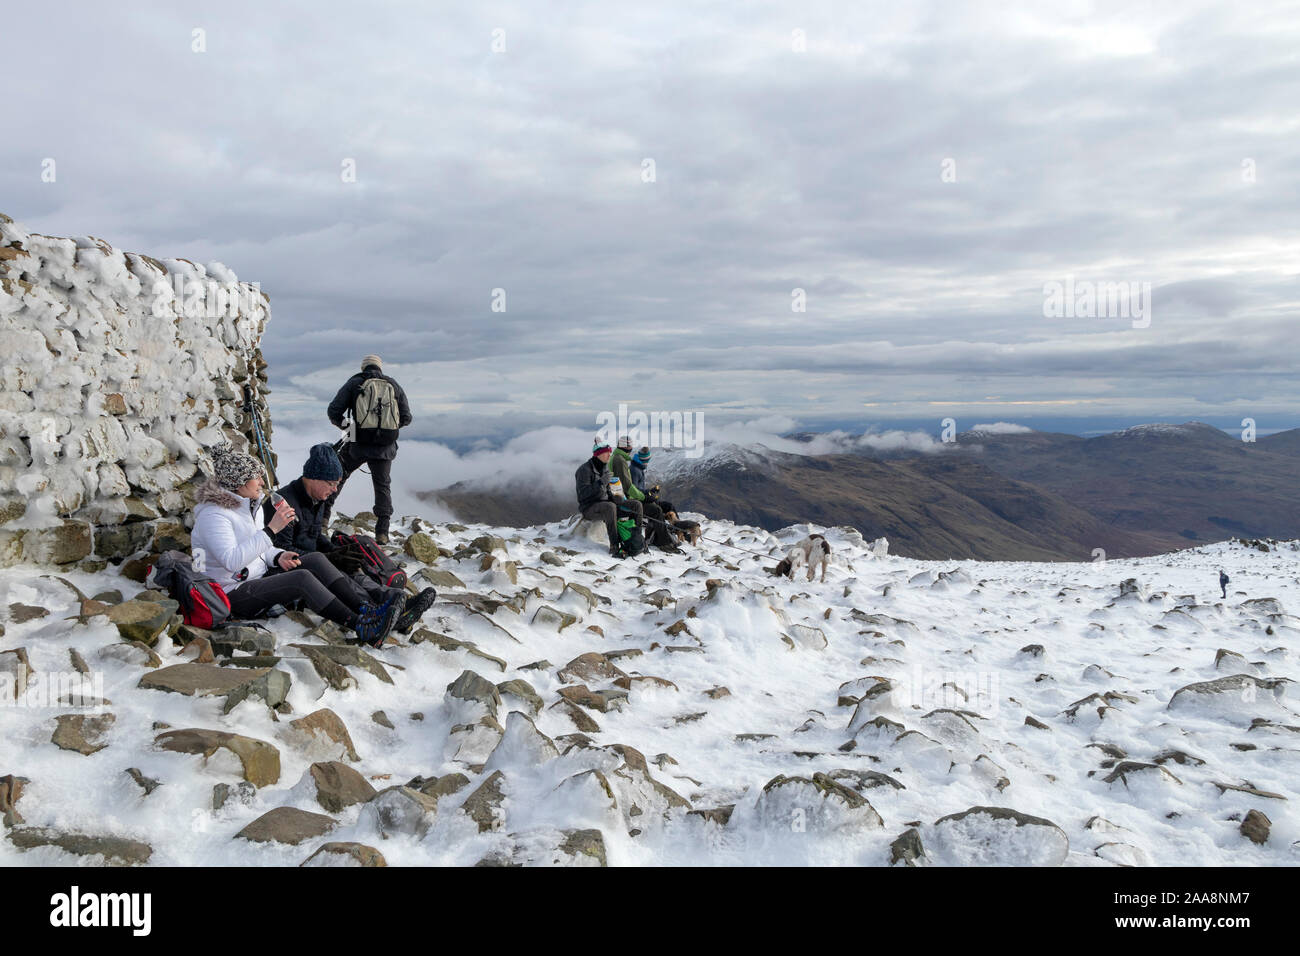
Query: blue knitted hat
(323, 464)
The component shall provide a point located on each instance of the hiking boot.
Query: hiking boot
(381, 537)
(374, 621)
(415, 607)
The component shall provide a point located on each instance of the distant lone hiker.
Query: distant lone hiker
(377, 407)
(1223, 582)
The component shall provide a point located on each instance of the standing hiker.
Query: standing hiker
(1223, 581)
(310, 497)
(597, 502)
(378, 408)
(230, 543)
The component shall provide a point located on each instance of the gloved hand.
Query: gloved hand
(347, 558)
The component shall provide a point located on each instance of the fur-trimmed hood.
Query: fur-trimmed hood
(228, 530)
(212, 493)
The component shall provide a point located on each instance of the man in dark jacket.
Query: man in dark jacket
(377, 409)
(595, 500)
(311, 497)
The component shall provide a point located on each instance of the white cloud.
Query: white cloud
(1001, 428)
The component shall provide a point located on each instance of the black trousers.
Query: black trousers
(315, 583)
(366, 589)
(369, 591)
(656, 529)
(610, 511)
(381, 476)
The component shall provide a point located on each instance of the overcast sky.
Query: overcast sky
(921, 171)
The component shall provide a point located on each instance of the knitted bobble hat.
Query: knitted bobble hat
(233, 469)
(323, 464)
(642, 456)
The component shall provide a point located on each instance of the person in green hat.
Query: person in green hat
(621, 466)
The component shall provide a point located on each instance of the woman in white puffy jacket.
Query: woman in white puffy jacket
(231, 545)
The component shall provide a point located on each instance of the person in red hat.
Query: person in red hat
(597, 502)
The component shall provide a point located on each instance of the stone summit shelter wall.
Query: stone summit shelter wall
(119, 371)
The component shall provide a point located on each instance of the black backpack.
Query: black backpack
(631, 541)
(203, 601)
(375, 562)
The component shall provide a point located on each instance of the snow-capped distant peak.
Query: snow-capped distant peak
(676, 463)
(1186, 429)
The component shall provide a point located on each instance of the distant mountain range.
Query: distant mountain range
(989, 495)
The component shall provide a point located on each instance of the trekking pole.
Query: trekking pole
(251, 410)
(348, 432)
(759, 554)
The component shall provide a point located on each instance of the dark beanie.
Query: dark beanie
(323, 464)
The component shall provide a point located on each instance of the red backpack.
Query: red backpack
(203, 601)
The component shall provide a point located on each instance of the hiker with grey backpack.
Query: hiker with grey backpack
(377, 408)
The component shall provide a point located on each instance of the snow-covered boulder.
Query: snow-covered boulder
(997, 836)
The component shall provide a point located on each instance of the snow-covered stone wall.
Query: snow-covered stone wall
(119, 371)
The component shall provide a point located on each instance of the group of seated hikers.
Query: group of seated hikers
(612, 488)
(265, 554)
(275, 550)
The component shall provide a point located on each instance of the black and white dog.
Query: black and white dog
(810, 552)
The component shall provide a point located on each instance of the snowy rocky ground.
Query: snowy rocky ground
(560, 707)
